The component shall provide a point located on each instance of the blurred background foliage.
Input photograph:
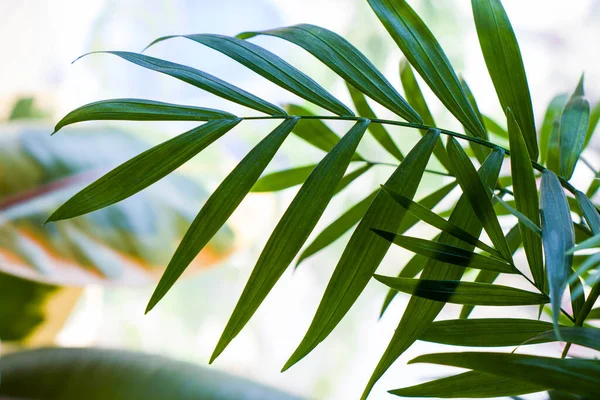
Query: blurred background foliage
(554, 39)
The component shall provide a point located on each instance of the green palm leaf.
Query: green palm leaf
(573, 131)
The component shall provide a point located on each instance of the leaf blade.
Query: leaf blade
(573, 131)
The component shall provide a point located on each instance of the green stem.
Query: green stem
(457, 135)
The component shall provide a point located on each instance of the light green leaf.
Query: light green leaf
(377, 130)
(292, 231)
(505, 65)
(590, 243)
(410, 270)
(424, 53)
(139, 110)
(280, 180)
(553, 162)
(446, 253)
(201, 80)
(346, 61)
(365, 250)
(269, 66)
(593, 123)
(573, 131)
(457, 292)
(143, 170)
(527, 223)
(426, 215)
(219, 207)
(421, 312)
(478, 196)
(415, 98)
(314, 131)
(558, 236)
(338, 227)
(472, 384)
(590, 212)
(486, 332)
(553, 111)
(526, 197)
(594, 314)
(494, 127)
(571, 375)
(577, 295)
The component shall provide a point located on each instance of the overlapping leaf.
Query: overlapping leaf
(365, 250)
(280, 180)
(220, 205)
(573, 131)
(590, 212)
(558, 237)
(571, 375)
(424, 53)
(553, 111)
(526, 198)
(505, 65)
(143, 170)
(587, 337)
(269, 66)
(421, 312)
(201, 80)
(346, 61)
(292, 231)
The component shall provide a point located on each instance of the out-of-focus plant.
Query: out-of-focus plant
(122, 245)
(551, 223)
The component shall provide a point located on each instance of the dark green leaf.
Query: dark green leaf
(425, 54)
(377, 130)
(446, 253)
(365, 250)
(553, 111)
(338, 227)
(526, 197)
(572, 375)
(410, 270)
(421, 312)
(479, 151)
(280, 180)
(526, 222)
(590, 212)
(558, 237)
(495, 128)
(346, 61)
(577, 295)
(505, 65)
(220, 205)
(292, 231)
(201, 80)
(269, 66)
(485, 332)
(139, 110)
(472, 384)
(573, 131)
(594, 314)
(314, 131)
(415, 98)
(426, 215)
(478, 196)
(143, 170)
(553, 162)
(457, 292)
(587, 337)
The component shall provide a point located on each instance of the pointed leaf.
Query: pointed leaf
(590, 212)
(495, 128)
(572, 375)
(594, 314)
(346, 61)
(590, 243)
(424, 53)
(426, 215)
(485, 332)
(593, 123)
(377, 130)
(573, 131)
(558, 237)
(472, 384)
(458, 292)
(292, 231)
(365, 250)
(410, 270)
(314, 131)
(139, 110)
(201, 80)
(526, 222)
(338, 227)
(553, 111)
(477, 194)
(505, 65)
(280, 180)
(526, 197)
(220, 205)
(421, 312)
(143, 170)
(588, 337)
(352, 176)
(269, 66)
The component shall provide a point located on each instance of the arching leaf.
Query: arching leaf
(269, 66)
(346, 61)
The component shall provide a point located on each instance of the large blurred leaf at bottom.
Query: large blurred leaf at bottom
(102, 374)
